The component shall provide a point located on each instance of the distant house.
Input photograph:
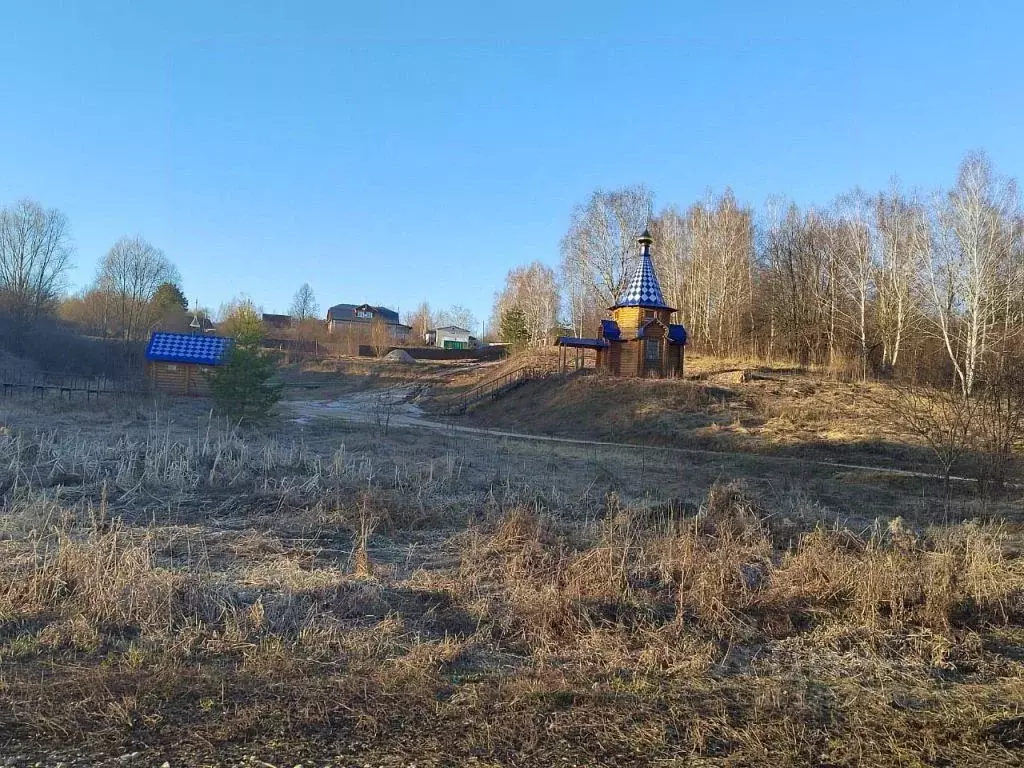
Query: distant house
(277, 322)
(176, 363)
(202, 323)
(342, 317)
(450, 337)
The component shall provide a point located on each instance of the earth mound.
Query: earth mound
(398, 356)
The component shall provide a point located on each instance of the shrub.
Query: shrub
(242, 388)
(241, 320)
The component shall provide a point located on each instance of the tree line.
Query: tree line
(136, 285)
(873, 283)
(136, 288)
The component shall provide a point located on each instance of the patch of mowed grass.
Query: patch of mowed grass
(624, 633)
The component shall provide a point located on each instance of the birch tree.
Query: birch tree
(973, 244)
(533, 290)
(722, 243)
(456, 315)
(420, 321)
(903, 248)
(673, 257)
(852, 244)
(599, 250)
(1011, 309)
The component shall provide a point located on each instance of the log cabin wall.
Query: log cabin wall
(178, 378)
(628, 319)
(629, 358)
(673, 360)
(631, 318)
(615, 359)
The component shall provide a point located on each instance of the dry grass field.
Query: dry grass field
(328, 592)
(776, 411)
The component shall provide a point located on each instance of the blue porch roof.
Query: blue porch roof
(571, 341)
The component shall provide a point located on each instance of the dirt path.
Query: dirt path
(394, 404)
(396, 407)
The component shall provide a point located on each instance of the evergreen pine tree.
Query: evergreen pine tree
(513, 328)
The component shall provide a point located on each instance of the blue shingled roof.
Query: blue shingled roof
(643, 290)
(202, 349)
(610, 330)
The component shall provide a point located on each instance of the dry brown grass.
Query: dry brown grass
(198, 594)
(724, 574)
(767, 411)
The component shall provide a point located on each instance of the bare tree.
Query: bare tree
(455, 315)
(599, 250)
(420, 321)
(89, 310)
(572, 282)
(131, 272)
(852, 245)
(903, 235)
(380, 336)
(534, 290)
(673, 258)
(35, 255)
(999, 437)
(973, 243)
(304, 306)
(798, 278)
(941, 418)
(707, 257)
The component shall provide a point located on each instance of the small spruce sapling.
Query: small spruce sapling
(241, 386)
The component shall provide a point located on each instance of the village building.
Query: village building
(203, 323)
(276, 322)
(177, 363)
(450, 337)
(360, 317)
(639, 339)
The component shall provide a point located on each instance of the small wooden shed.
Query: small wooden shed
(176, 363)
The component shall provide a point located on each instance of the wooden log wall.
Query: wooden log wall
(672, 361)
(178, 378)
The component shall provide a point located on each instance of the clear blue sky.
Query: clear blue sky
(393, 152)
